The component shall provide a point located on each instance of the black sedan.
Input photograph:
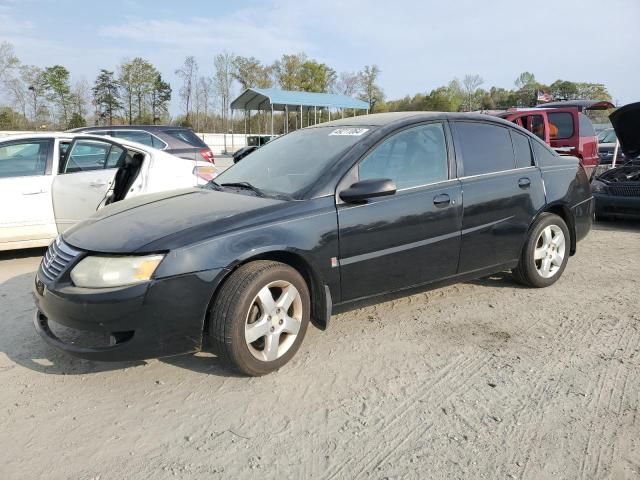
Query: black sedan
(317, 221)
(617, 190)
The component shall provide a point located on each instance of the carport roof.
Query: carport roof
(264, 98)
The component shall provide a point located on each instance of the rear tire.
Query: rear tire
(259, 317)
(545, 253)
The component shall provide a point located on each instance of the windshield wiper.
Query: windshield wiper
(213, 185)
(245, 185)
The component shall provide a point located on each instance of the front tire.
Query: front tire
(259, 317)
(545, 253)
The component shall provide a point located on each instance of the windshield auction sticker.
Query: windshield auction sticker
(349, 131)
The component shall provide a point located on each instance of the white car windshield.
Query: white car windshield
(290, 164)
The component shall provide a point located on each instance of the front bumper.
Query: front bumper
(617, 206)
(160, 318)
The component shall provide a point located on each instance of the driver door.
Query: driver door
(86, 174)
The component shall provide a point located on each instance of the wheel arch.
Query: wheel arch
(320, 297)
(563, 211)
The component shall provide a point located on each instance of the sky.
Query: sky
(418, 45)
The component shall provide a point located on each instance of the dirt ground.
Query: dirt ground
(478, 380)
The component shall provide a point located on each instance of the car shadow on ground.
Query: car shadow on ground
(23, 346)
(498, 280)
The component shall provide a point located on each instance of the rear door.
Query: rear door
(564, 133)
(502, 191)
(25, 190)
(85, 176)
(411, 237)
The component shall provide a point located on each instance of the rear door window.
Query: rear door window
(88, 155)
(522, 150)
(135, 136)
(560, 125)
(485, 148)
(186, 136)
(24, 159)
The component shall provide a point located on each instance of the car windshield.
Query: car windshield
(290, 164)
(607, 136)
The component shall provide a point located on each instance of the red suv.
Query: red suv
(564, 127)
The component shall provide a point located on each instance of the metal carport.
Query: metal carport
(275, 100)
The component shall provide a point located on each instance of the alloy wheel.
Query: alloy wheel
(550, 251)
(273, 320)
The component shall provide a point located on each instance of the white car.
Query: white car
(49, 182)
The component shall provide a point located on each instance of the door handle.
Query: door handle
(441, 200)
(97, 184)
(524, 182)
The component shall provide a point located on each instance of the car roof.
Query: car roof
(383, 119)
(71, 136)
(130, 127)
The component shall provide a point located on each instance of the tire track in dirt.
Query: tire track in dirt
(458, 375)
(606, 438)
(522, 444)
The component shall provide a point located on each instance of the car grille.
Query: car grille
(57, 258)
(625, 190)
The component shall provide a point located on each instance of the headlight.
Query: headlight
(598, 187)
(105, 272)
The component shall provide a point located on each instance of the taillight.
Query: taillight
(206, 173)
(207, 154)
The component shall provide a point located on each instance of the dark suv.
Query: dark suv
(178, 141)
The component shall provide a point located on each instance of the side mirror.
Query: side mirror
(365, 189)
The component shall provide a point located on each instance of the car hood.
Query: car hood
(626, 123)
(157, 221)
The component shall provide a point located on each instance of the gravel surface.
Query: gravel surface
(477, 380)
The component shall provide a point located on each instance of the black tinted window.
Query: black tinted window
(23, 159)
(186, 136)
(134, 136)
(544, 156)
(411, 158)
(522, 150)
(560, 125)
(485, 148)
(586, 127)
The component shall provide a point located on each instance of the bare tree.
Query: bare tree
(349, 83)
(188, 73)
(470, 85)
(204, 89)
(222, 79)
(371, 91)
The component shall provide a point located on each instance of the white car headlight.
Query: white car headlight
(105, 272)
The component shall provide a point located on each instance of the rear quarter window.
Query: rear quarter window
(563, 123)
(522, 150)
(586, 127)
(544, 155)
(186, 136)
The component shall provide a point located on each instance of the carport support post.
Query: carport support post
(342, 111)
(245, 127)
(315, 115)
(300, 116)
(272, 119)
(232, 146)
(286, 119)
